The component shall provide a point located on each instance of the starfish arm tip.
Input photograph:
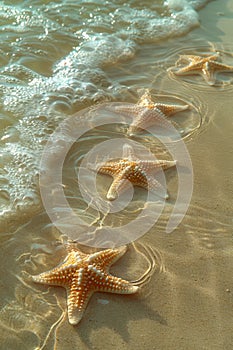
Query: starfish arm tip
(130, 134)
(33, 278)
(126, 289)
(111, 196)
(210, 82)
(122, 250)
(184, 107)
(134, 289)
(75, 316)
(38, 279)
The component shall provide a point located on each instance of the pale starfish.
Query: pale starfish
(205, 65)
(83, 274)
(135, 171)
(147, 113)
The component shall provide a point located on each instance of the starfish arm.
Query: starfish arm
(188, 58)
(208, 74)
(77, 300)
(58, 275)
(128, 152)
(113, 284)
(166, 164)
(75, 251)
(194, 68)
(150, 166)
(105, 258)
(109, 168)
(213, 57)
(141, 181)
(166, 109)
(131, 110)
(145, 100)
(156, 187)
(171, 109)
(218, 66)
(55, 277)
(118, 186)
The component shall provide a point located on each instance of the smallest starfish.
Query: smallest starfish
(129, 170)
(205, 65)
(147, 113)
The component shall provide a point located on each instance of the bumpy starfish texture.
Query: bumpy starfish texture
(129, 170)
(82, 275)
(147, 113)
(207, 66)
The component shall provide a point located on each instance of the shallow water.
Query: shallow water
(57, 58)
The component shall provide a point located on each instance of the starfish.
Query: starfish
(148, 113)
(135, 171)
(82, 275)
(205, 65)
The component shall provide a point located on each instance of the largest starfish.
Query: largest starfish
(82, 275)
(205, 65)
(147, 113)
(130, 170)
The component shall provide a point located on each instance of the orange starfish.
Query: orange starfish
(82, 275)
(147, 113)
(205, 65)
(137, 172)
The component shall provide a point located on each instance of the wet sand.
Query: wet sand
(187, 306)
